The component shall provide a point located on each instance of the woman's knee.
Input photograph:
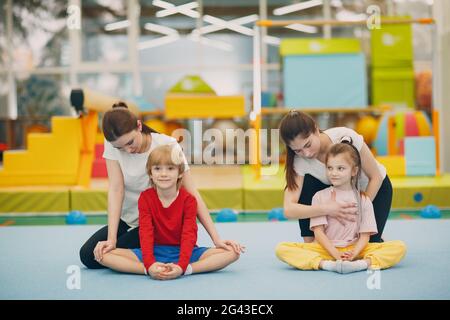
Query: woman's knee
(308, 239)
(87, 257)
(376, 238)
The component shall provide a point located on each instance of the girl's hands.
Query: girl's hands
(336, 255)
(347, 255)
(102, 248)
(230, 245)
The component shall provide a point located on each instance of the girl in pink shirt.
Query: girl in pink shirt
(342, 247)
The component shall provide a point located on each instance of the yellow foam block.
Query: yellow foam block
(51, 158)
(33, 179)
(434, 190)
(15, 159)
(40, 141)
(395, 165)
(29, 199)
(265, 192)
(179, 106)
(40, 162)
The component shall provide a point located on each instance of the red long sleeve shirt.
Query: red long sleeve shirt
(175, 225)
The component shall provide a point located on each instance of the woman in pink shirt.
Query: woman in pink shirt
(338, 247)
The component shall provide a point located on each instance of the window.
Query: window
(104, 28)
(113, 84)
(40, 37)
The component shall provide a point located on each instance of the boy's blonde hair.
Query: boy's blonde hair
(166, 155)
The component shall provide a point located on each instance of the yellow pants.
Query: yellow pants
(307, 256)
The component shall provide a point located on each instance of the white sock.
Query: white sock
(188, 270)
(353, 266)
(339, 266)
(329, 265)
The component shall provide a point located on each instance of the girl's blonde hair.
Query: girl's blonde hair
(166, 155)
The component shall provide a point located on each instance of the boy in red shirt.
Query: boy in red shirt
(167, 227)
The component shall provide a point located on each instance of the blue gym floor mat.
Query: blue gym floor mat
(35, 262)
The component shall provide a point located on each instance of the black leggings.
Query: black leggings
(125, 239)
(381, 204)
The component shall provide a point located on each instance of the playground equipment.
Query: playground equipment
(314, 69)
(424, 90)
(227, 215)
(395, 126)
(407, 144)
(255, 114)
(367, 127)
(276, 214)
(65, 155)
(431, 212)
(193, 98)
(392, 70)
(76, 217)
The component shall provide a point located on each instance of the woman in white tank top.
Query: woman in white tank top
(128, 143)
(306, 147)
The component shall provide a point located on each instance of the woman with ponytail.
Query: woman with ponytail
(343, 248)
(307, 147)
(128, 143)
